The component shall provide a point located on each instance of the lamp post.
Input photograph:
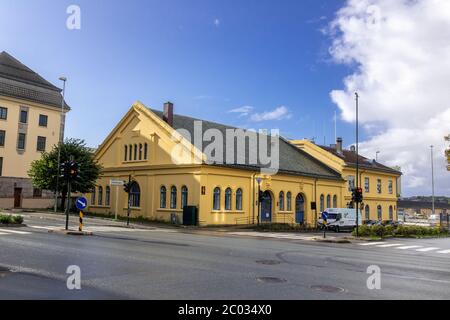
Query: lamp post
(432, 181)
(357, 162)
(61, 139)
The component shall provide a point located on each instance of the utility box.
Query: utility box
(190, 216)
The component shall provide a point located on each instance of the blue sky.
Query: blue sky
(206, 56)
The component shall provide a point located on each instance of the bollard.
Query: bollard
(81, 222)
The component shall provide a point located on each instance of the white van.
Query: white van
(341, 219)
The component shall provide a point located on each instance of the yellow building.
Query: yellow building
(380, 184)
(171, 171)
(30, 123)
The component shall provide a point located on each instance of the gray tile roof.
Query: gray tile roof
(19, 81)
(291, 159)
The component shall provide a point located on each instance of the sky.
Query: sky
(261, 64)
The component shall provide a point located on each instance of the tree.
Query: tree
(447, 152)
(44, 172)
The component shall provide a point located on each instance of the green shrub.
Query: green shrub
(400, 231)
(17, 219)
(5, 219)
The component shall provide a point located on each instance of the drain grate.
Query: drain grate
(270, 280)
(329, 289)
(268, 262)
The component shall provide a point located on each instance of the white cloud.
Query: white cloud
(279, 113)
(401, 53)
(243, 111)
(217, 22)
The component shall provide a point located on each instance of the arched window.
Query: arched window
(108, 196)
(216, 199)
(391, 213)
(100, 196)
(239, 199)
(173, 197)
(162, 197)
(135, 152)
(135, 195)
(328, 201)
(184, 197)
(93, 197)
(281, 199)
(228, 199)
(367, 212)
(130, 152)
(145, 151)
(140, 151)
(335, 205)
(380, 213)
(322, 203)
(289, 201)
(126, 153)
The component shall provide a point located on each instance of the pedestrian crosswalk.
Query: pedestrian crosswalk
(10, 231)
(403, 247)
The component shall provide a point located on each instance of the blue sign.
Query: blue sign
(81, 203)
(325, 216)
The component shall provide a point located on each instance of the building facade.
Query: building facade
(381, 185)
(30, 123)
(170, 171)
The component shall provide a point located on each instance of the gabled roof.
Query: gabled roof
(19, 81)
(350, 159)
(291, 159)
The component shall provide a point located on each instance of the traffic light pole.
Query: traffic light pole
(357, 163)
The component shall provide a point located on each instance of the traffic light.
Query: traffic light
(357, 195)
(73, 170)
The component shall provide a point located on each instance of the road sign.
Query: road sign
(81, 203)
(325, 216)
(118, 183)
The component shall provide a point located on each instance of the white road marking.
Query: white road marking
(444, 251)
(370, 243)
(389, 245)
(105, 229)
(408, 247)
(427, 249)
(2, 233)
(14, 231)
(41, 227)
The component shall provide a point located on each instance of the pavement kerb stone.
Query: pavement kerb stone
(72, 232)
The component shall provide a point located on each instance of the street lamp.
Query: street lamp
(357, 162)
(432, 180)
(61, 139)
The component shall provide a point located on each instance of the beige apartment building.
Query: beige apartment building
(30, 123)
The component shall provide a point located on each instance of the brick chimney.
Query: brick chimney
(339, 145)
(168, 113)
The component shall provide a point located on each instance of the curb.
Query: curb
(12, 225)
(340, 241)
(72, 232)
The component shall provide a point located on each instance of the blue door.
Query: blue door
(266, 208)
(300, 209)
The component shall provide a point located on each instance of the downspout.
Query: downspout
(253, 196)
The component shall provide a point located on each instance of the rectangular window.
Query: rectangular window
(3, 113)
(21, 141)
(41, 141)
(366, 185)
(1, 166)
(390, 187)
(379, 186)
(37, 193)
(43, 120)
(351, 183)
(2, 138)
(23, 116)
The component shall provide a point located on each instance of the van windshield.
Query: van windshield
(332, 216)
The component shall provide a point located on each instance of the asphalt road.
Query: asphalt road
(162, 263)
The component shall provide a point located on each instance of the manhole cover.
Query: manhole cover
(329, 289)
(268, 262)
(271, 280)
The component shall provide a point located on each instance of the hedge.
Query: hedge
(10, 219)
(400, 231)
